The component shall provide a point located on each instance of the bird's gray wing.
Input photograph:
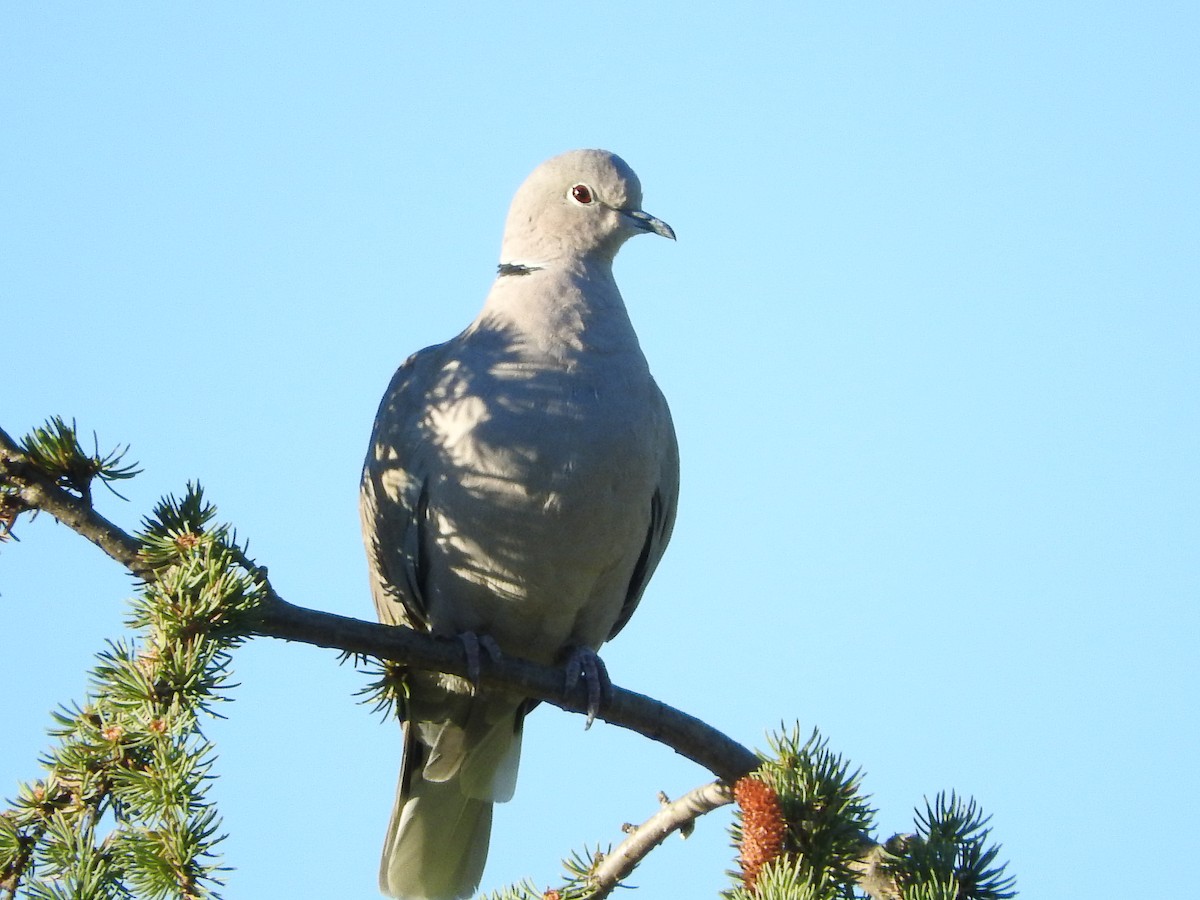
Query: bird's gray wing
(663, 504)
(393, 495)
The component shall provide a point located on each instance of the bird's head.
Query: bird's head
(580, 203)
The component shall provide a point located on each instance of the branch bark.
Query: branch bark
(675, 815)
(36, 491)
(685, 734)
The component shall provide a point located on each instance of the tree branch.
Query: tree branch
(672, 816)
(36, 491)
(23, 487)
(687, 735)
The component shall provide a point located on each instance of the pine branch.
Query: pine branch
(27, 489)
(678, 815)
(122, 809)
(687, 735)
(203, 595)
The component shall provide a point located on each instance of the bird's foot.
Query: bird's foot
(472, 643)
(583, 662)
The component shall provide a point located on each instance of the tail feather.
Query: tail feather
(437, 843)
(489, 771)
(437, 839)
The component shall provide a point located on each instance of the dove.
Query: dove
(518, 492)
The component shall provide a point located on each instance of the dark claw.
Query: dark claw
(584, 662)
(472, 643)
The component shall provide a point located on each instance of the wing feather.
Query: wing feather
(394, 494)
(663, 505)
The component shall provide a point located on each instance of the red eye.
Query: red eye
(582, 193)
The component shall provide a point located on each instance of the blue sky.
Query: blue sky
(929, 334)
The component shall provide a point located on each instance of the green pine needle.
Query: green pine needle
(387, 692)
(54, 450)
(579, 869)
(828, 824)
(784, 879)
(826, 815)
(132, 755)
(951, 846)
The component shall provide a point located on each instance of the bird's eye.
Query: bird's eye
(582, 193)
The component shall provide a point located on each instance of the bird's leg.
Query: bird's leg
(472, 643)
(583, 661)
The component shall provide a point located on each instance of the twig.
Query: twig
(672, 816)
(36, 491)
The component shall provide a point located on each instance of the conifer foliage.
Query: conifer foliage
(121, 809)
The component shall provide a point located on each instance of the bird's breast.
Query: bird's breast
(545, 445)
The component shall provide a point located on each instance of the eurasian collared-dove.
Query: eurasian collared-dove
(518, 492)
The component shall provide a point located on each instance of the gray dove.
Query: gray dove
(518, 493)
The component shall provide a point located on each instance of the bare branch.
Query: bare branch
(672, 816)
(651, 718)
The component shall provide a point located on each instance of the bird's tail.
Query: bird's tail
(437, 839)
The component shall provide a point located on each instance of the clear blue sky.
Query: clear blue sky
(930, 335)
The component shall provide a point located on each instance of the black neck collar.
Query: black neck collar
(517, 269)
